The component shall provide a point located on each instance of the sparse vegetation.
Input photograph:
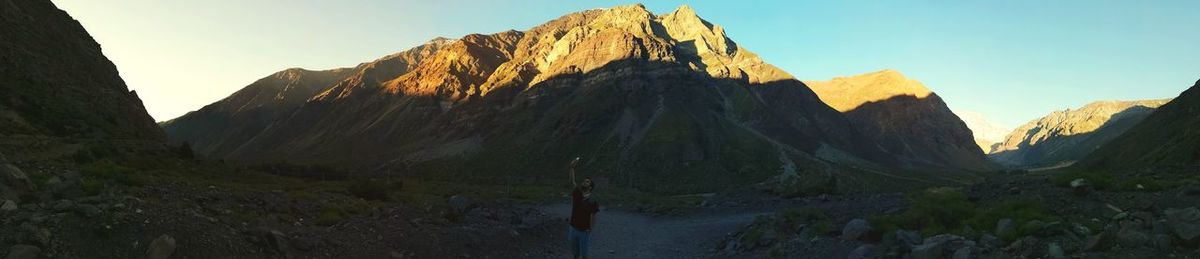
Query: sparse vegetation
(945, 210)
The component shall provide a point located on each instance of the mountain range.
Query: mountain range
(1069, 135)
(648, 99)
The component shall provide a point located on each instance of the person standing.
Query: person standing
(583, 214)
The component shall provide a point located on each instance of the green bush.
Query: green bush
(328, 217)
(105, 170)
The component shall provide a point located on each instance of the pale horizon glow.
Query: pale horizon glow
(1011, 61)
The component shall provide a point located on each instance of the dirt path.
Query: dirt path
(620, 234)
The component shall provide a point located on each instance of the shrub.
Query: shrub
(368, 189)
(328, 217)
(108, 171)
(941, 211)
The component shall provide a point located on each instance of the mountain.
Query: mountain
(987, 133)
(904, 118)
(664, 102)
(56, 82)
(1168, 136)
(1069, 135)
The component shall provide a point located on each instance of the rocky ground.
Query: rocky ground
(1141, 214)
(193, 209)
(64, 217)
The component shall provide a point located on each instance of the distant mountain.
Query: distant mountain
(1168, 136)
(987, 132)
(1069, 135)
(661, 102)
(55, 81)
(904, 118)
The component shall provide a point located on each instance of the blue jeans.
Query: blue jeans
(578, 240)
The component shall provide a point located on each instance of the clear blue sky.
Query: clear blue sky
(1011, 61)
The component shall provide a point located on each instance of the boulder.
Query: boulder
(161, 248)
(23, 252)
(278, 241)
(15, 179)
(927, 251)
(460, 205)
(862, 252)
(963, 253)
(1184, 223)
(989, 242)
(8, 205)
(67, 185)
(87, 210)
(1003, 227)
(1055, 251)
(1097, 242)
(64, 206)
(1131, 237)
(1080, 186)
(908, 239)
(856, 229)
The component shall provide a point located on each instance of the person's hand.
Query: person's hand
(574, 162)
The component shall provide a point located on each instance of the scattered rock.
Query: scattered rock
(927, 251)
(1080, 187)
(963, 253)
(1129, 236)
(161, 248)
(8, 205)
(989, 242)
(908, 239)
(1055, 251)
(278, 241)
(1185, 223)
(1034, 226)
(1097, 242)
(1162, 242)
(1003, 227)
(1080, 229)
(460, 204)
(64, 206)
(35, 235)
(23, 252)
(862, 252)
(87, 210)
(17, 182)
(856, 229)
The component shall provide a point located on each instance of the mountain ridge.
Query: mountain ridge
(1068, 135)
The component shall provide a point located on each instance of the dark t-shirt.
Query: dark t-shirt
(582, 209)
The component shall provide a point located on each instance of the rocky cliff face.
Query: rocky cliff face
(1168, 136)
(56, 82)
(1069, 135)
(904, 118)
(653, 100)
(987, 133)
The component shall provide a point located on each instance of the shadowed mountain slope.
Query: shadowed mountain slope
(55, 81)
(1069, 135)
(904, 118)
(1168, 136)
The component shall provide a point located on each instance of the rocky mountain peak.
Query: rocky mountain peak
(854, 91)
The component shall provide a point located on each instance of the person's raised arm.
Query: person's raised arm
(572, 170)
